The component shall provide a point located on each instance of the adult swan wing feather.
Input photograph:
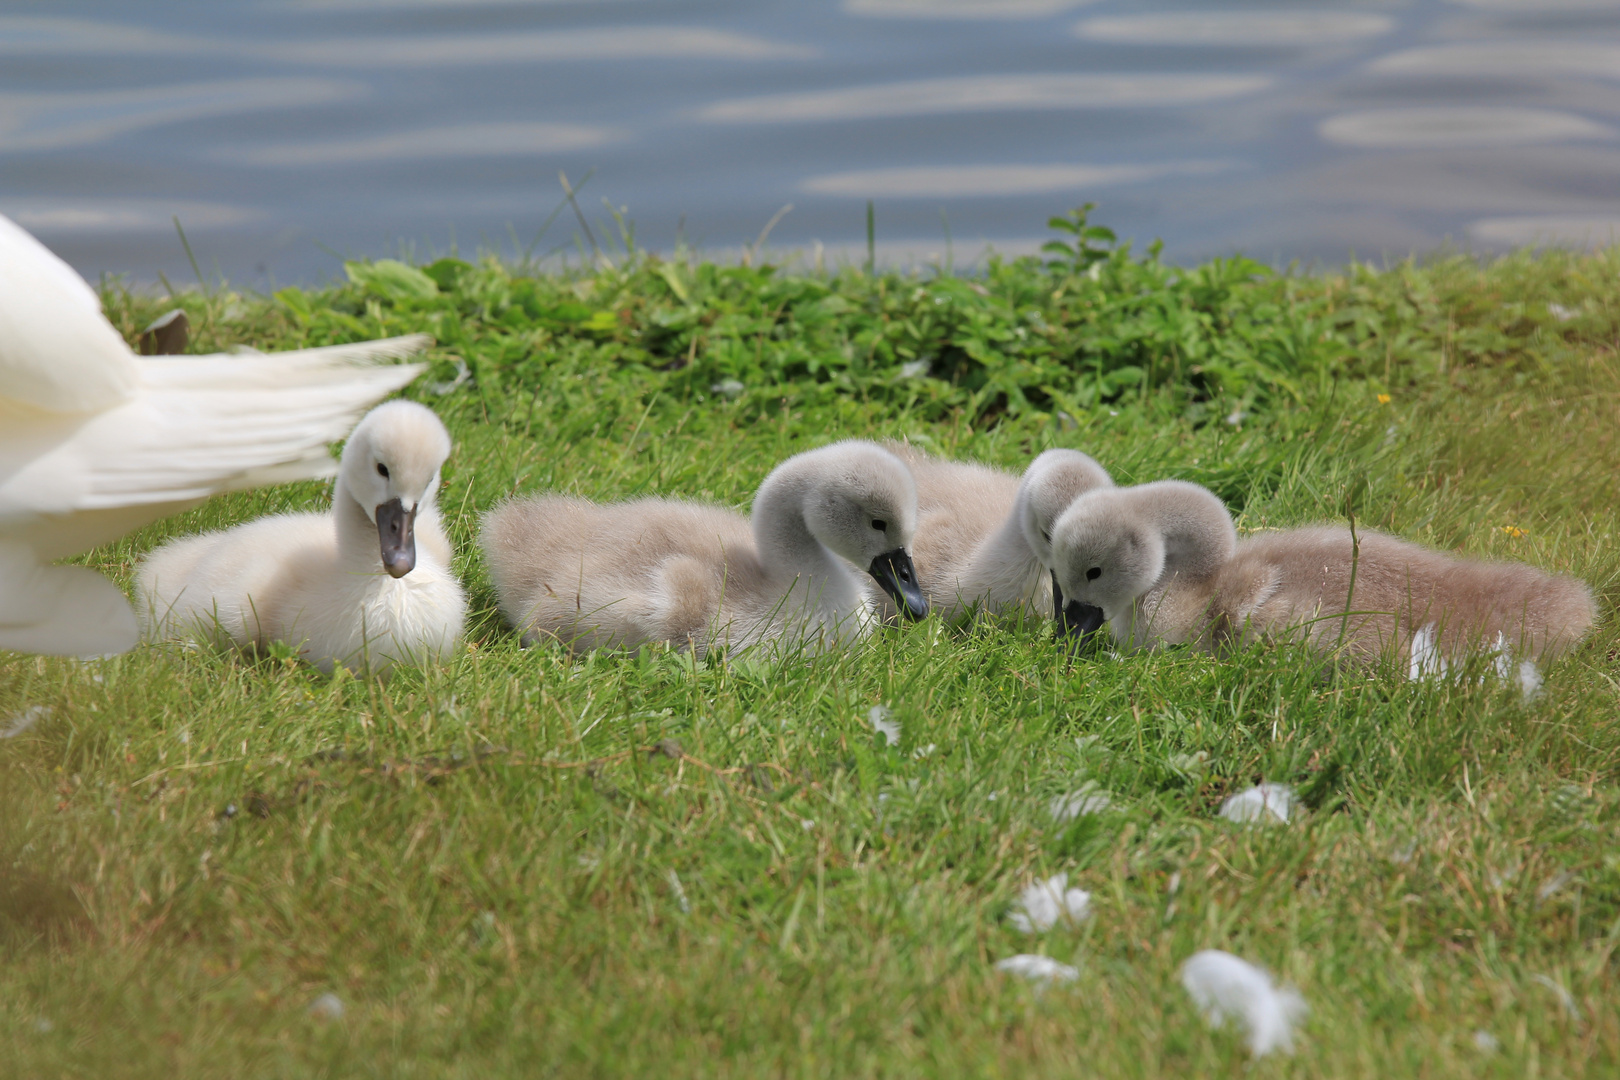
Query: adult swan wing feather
(96, 441)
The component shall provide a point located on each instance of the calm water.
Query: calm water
(288, 134)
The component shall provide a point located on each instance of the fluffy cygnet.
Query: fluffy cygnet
(366, 586)
(1164, 564)
(982, 534)
(656, 570)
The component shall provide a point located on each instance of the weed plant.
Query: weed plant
(527, 863)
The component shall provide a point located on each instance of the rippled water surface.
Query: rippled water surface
(288, 134)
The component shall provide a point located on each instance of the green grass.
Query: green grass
(479, 859)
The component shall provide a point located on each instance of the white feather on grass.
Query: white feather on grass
(1226, 988)
(1265, 802)
(1554, 883)
(678, 891)
(889, 729)
(1038, 969)
(24, 720)
(1565, 998)
(1088, 798)
(1424, 661)
(328, 1007)
(1045, 902)
(1525, 673)
(1529, 680)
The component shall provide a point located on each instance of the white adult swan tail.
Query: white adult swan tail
(60, 610)
(96, 441)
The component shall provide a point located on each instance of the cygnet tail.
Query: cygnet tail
(231, 421)
(61, 610)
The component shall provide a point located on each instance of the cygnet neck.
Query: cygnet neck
(1015, 533)
(1003, 570)
(1008, 541)
(790, 554)
(1198, 534)
(1054, 480)
(358, 545)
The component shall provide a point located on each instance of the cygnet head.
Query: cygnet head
(390, 469)
(1104, 556)
(860, 502)
(1054, 480)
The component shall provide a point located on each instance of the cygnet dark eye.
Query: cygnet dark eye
(1046, 534)
(1094, 573)
(879, 525)
(382, 470)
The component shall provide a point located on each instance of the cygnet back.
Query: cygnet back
(622, 575)
(1292, 579)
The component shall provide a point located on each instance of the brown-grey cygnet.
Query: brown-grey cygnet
(1164, 564)
(658, 570)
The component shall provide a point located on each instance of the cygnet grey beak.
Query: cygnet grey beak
(893, 571)
(396, 528)
(1057, 602)
(1080, 621)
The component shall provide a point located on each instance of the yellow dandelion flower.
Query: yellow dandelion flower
(1383, 399)
(1513, 531)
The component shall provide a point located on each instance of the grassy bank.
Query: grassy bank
(497, 873)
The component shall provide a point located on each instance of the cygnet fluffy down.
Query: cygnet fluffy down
(367, 585)
(1163, 563)
(689, 575)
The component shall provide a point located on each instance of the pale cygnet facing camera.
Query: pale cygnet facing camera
(393, 474)
(365, 586)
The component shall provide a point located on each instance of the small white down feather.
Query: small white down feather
(1045, 902)
(1263, 803)
(1229, 989)
(1425, 661)
(1038, 969)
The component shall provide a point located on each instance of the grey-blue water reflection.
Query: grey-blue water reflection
(287, 134)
